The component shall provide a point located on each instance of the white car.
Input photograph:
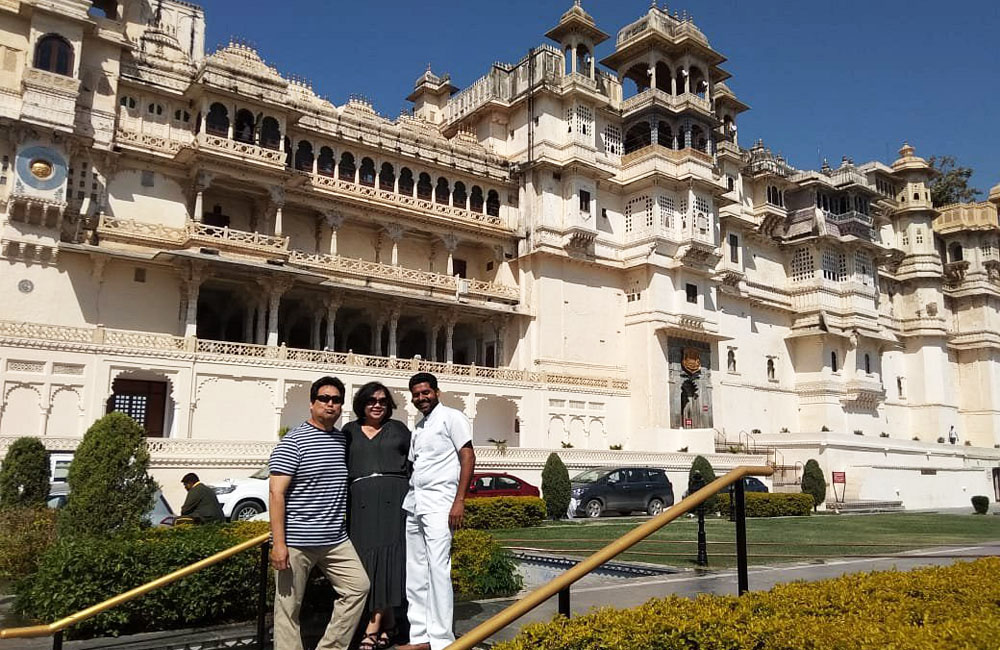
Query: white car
(243, 498)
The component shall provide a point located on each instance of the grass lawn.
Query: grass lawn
(771, 541)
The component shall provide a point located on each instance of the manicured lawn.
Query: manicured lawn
(771, 541)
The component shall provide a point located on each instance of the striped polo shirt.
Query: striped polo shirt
(316, 499)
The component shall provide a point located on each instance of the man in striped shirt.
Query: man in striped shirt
(308, 512)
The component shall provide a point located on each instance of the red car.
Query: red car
(500, 484)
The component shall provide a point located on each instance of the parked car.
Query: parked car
(624, 490)
(243, 498)
(754, 484)
(161, 514)
(500, 484)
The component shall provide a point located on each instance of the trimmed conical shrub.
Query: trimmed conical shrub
(110, 489)
(813, 482)
(702, 465)
(24, 475)
(555, 487)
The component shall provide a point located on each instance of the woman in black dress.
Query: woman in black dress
(379, 471)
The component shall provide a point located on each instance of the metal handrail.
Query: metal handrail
(561, 583)
(56, 628)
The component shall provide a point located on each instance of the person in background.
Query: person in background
(443, 461)
(379, 470)
(200, 505)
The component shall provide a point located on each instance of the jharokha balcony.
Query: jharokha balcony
(343, 269)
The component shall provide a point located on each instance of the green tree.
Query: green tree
(702, 466)
(555, 487)
(813, 482)
(24, 474)
(952, 186)
(110, 489)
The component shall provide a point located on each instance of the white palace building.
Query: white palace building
(582, 250)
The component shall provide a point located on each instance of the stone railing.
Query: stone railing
(139, 231)
(848, 176)
(164, 144)
(200, 233)
(490, 289)
(394, 200)
(673, 155)
(159, 344)
(222, 144)
(651, 95)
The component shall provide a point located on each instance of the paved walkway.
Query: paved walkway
(620, 592)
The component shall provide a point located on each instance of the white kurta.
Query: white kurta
(434, 447)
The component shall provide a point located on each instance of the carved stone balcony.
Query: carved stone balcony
(363, 271)
(99, 339)
(385, 198)
(49, 98)
(655, 97)
(193, 234)
(865, 391)
(251, 153)
(954, 272)
(131, 139)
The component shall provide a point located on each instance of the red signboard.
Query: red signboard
(840, 477)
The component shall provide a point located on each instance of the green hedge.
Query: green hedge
(77, 572)
(771, 504)
(481, 567)
(489, 513)
(925, 609)
(25, 533)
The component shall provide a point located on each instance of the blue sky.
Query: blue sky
(823, 79)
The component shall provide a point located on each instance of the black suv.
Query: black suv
(623, 490)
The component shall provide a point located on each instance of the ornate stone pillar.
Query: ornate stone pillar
(317, 323)
(260, 335)
(435, 328)
(395, 233)
(450, 244)
(377, 334)
(332, 305)
(201, 183)
(449, 332)
(393, 329)
(192, 287)
(274, 289)
(333, 221)
(248, 322)
(277, 197)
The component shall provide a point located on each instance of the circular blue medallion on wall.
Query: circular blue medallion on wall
(41, 168)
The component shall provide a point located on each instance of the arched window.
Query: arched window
(728, 128)
(663, 76)
(698, 139)
(441, 193)
(459, 196)
(637, 137)
(770, 369)
(636, 80)
(243, 126)
(476, 199)
(288, 152)
(366, 176)
(664, 135)
(325, 163)
(406, 181)
(270, 133)
(304, 156)
(955, 252)
(868, 364)
(347, 166)
(731, 361)
(424, 189)
(387, 177)
(834, 367)
(127, 102)
(493, 203)
(53, 53)
(583, 60)
(698, 84)
(154, 109)
(217, 122)
(182, 116)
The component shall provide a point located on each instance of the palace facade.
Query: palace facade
(582, 250)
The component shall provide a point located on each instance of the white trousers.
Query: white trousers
(428, 579)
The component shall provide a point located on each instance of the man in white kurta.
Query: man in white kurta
(443, 461)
